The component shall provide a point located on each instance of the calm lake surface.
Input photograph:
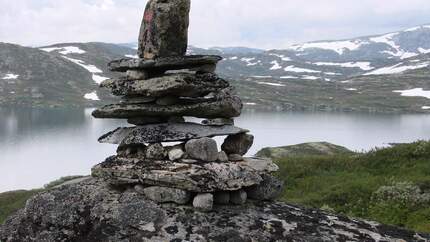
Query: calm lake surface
(41, 145)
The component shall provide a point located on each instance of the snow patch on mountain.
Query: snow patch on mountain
(99, 79)
(309, 77)
(91, 68)
(288, 77)
(416, 28)
(283, 57)
(423, 51)
(271, 84)
(362, 65)
(300, 70)
(65, 50)
(389, 40)
(132, 56)
(92, 96)
(399, 68)
(261, 77)
(426, 107)
(338, 46)
(275, 66)
(249, 61)
(10, 76)
(416, 92)
(386, 39)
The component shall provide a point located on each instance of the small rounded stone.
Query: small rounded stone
(203, 202)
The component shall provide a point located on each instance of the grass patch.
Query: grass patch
(390, 185)
(10, 202)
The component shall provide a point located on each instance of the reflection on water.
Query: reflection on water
(40, 145)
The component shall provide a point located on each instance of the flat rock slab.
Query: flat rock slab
(179, 85)
(167, 132)
(198, 177)
(92, 211)
(226, 107)
(164, 63)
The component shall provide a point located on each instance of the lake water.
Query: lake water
(41, 145)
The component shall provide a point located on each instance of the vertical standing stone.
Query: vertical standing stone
(164, 30)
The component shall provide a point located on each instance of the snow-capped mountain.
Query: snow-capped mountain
(383, 73)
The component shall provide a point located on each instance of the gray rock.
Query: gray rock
(167, 100)
(199, 177)
(137, 99)
(176, 120)
(156, 151)
(131, 150)
(163, 64)
(139, 189)
(222, 157)
(208, 68)
(222, 198)
(226, 106)
(204, 202)
(179, 85)
(143, 121)
(238, 144)
(92, 211)
(205, 149)
(156, 133)
(218, 122)
(269, 189)
(176, 154)
(164, 30)
(235, 157)
(137, 75)
(166, 195)
(238, 197)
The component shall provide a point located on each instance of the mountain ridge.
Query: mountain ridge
(325, 79)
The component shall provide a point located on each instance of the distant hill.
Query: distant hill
(384, 73)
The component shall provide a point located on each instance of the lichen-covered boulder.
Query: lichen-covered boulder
(93, 211)
(164, 30)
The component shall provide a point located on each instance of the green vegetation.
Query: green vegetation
(11, 202)
(390, 185)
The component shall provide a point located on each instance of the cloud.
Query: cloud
(255, 23)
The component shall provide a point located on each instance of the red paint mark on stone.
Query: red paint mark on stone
(148, 16)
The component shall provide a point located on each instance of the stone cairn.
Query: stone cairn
(158, 90)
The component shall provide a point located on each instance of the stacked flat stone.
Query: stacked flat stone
(168, 159)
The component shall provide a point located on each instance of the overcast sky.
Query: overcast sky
(254, 23)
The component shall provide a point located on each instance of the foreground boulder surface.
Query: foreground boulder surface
(92, 211)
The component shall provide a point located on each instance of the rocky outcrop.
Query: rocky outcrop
(93, 211)
(313, 148)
